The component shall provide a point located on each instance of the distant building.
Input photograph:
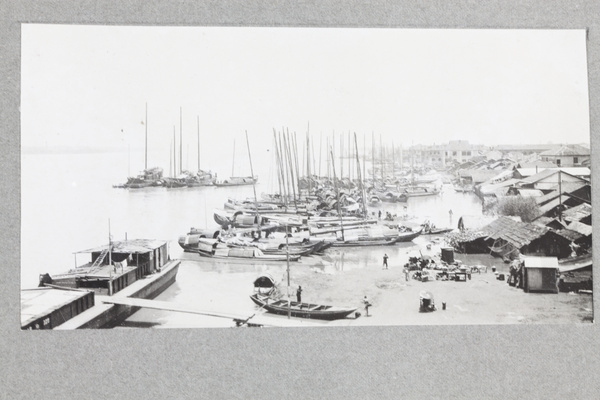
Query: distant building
(453, 152)
(572, 155)
(518, 152)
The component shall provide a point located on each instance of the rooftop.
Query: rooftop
(516, 233)
(129, 246)
(567, 150)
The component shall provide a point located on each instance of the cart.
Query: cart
(426, 302)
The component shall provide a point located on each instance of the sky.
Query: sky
(90, 86)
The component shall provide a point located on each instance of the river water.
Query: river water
(68, 204)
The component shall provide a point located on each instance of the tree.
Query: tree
(524, 207)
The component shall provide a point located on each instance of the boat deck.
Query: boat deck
(136, 289)
(101, 272)
(39, 304)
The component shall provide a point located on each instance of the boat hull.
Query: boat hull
(303, 310)
(106, 315)
(265, 258)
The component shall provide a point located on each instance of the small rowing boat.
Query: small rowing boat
(302, 310)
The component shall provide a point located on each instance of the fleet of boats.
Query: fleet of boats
(305, 218)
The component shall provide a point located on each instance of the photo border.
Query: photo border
(466, 361)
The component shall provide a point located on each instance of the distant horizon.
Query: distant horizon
(98, 85)
(74, 148)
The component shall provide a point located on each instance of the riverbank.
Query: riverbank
(343, 278)
(481, 300)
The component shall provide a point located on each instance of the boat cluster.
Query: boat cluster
(153, 177)
(273, 229)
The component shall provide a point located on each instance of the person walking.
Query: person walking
(299, 294)
(385, 263)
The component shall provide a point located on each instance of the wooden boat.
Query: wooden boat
(172, 183)
(138, 268)
(463, 189)
(249, 205)
(364, 241)
(373, 236)
(419, 191)
(391, 197)
(278, 246)
(113, 267)
(431, 229)
(201, 178)
(374, 200)
(302, 310)
(575, 263)
(218, 251)
(435, 231)
(408, 235)
(237, 181)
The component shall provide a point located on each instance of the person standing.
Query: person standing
(385, 263)
(299, 294)
(367, 304)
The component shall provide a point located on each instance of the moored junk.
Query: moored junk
(138, 268)
(113, 267)
(148, 177)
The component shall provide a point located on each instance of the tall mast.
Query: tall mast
(252, 172)
(393, 160)
(198, 143)
(284, 177)
(364, 156)
(327, 160)
(146, 147)
(110, 286)
(308, 159)
(279, 169)
(382, 161)
(290, 165)
(295, 146)
(233, 162)
(174, 153)
(320, 150)
(342, 155)
(360, 179)
(373, 156)
(180, 141)
(337, 190)
(350, 160)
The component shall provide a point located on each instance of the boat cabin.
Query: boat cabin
(113, 268)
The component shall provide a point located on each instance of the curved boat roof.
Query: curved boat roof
(264, 281)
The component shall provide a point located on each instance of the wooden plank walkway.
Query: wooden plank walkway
(258, 319)
(166, 306)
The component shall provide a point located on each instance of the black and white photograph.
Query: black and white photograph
(303, 177)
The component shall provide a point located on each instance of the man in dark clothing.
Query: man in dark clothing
(385, 258)
(299, 294)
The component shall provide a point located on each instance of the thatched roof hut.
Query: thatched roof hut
(509, 238)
